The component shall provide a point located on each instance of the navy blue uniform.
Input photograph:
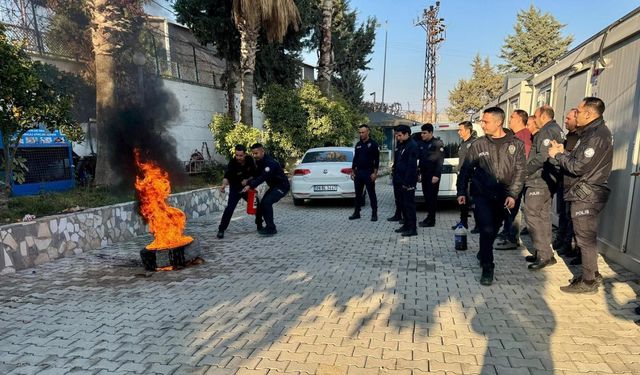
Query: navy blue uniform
(405, 175)
(431, 156)
(270, 172)
(235, 174)
(366, 161)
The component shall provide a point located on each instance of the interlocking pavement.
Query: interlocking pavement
(324, 296)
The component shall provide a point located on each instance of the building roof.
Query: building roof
(382, 120)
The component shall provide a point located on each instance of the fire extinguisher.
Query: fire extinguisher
(252, 201)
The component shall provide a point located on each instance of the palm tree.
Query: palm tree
(250, 16)
(110, 20)
(324, 63)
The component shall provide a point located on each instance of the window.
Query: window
(544, 96)
(330, 156)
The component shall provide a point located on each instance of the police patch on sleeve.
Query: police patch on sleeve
(267, 169)
(512, 149)
(589, 152)
(546, 142)
(441, 149)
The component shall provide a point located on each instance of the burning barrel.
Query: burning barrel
(169, 249)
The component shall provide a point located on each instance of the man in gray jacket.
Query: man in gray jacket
(541, 183)
(587, 167)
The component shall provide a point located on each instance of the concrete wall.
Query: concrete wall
(25, 245)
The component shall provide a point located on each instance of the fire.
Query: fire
(166, 223)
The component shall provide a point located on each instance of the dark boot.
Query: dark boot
(396, 217)
(220, 234)
(356, 215)
(487, 275)
(374, 215)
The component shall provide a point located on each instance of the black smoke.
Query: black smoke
(141, 121)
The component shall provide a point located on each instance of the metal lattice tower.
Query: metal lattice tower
(435, 29)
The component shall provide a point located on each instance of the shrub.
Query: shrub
(227, 135)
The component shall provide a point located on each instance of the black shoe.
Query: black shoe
(267, 232)
(395, 218)
(531, 258)
(401, 229)
(576, 261)
(409, 233)
(475, 230)
(220, 234)
(401, 221)
(427, 224)
(540, 264)
(581, 286)
(487, 275)
(356, 215)
(374, 216)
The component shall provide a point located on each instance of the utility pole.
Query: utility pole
(384, 68)
(435, 29)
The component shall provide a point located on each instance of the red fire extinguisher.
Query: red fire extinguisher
(252, 201)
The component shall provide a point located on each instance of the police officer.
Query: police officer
(495, 163)
(467, 135)
(271, 172)
(563, 243)
(406, 176)
(366, 161)
(588, 167)
(397, 189)
(239, 171)
(541, 183)
(431, 156)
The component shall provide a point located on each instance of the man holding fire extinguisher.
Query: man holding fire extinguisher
(240, 169)
(271, 172)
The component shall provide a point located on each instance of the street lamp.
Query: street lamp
(374, 100)
(471, 112)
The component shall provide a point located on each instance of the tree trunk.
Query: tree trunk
(324, 63)
(231, 90)
(248, 48)
(5, 190)
(105, 105)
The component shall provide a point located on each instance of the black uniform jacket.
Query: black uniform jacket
(405, 171)
(367, 156)
(541, 171)
(496, 168)
(431, 155)
(588, 166)
(270, 172)
(237, 172)
(462, 151)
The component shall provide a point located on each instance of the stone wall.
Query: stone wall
(29, 244)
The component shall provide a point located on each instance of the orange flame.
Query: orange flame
(166, 223)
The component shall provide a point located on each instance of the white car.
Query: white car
(323, 173)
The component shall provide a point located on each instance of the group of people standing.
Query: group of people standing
(532, 163)
(415, 160)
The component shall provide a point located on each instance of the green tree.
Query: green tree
(473, 94)
(351, 46)
(537, 42)
(26, 101)
(250, 16)
(302, 118)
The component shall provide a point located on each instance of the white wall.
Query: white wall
(197, 105)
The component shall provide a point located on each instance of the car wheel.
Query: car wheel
(298, 202)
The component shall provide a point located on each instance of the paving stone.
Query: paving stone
(325, 295)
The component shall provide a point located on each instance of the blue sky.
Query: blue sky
(473, 27)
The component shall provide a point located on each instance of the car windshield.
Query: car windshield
(328, 156)
(449, 138)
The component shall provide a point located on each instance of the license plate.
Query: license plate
(325, 188)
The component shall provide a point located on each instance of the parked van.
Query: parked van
(448, 134)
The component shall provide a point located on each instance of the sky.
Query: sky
(473, 27)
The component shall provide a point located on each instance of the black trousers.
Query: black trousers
(430, 192)
(234, 197)
(265, 206)
(464, 212)
(408, 204)
(361, 181)
(565, 224)
(512, 223)
(585, 226)
(489, 215)
(397, 197)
